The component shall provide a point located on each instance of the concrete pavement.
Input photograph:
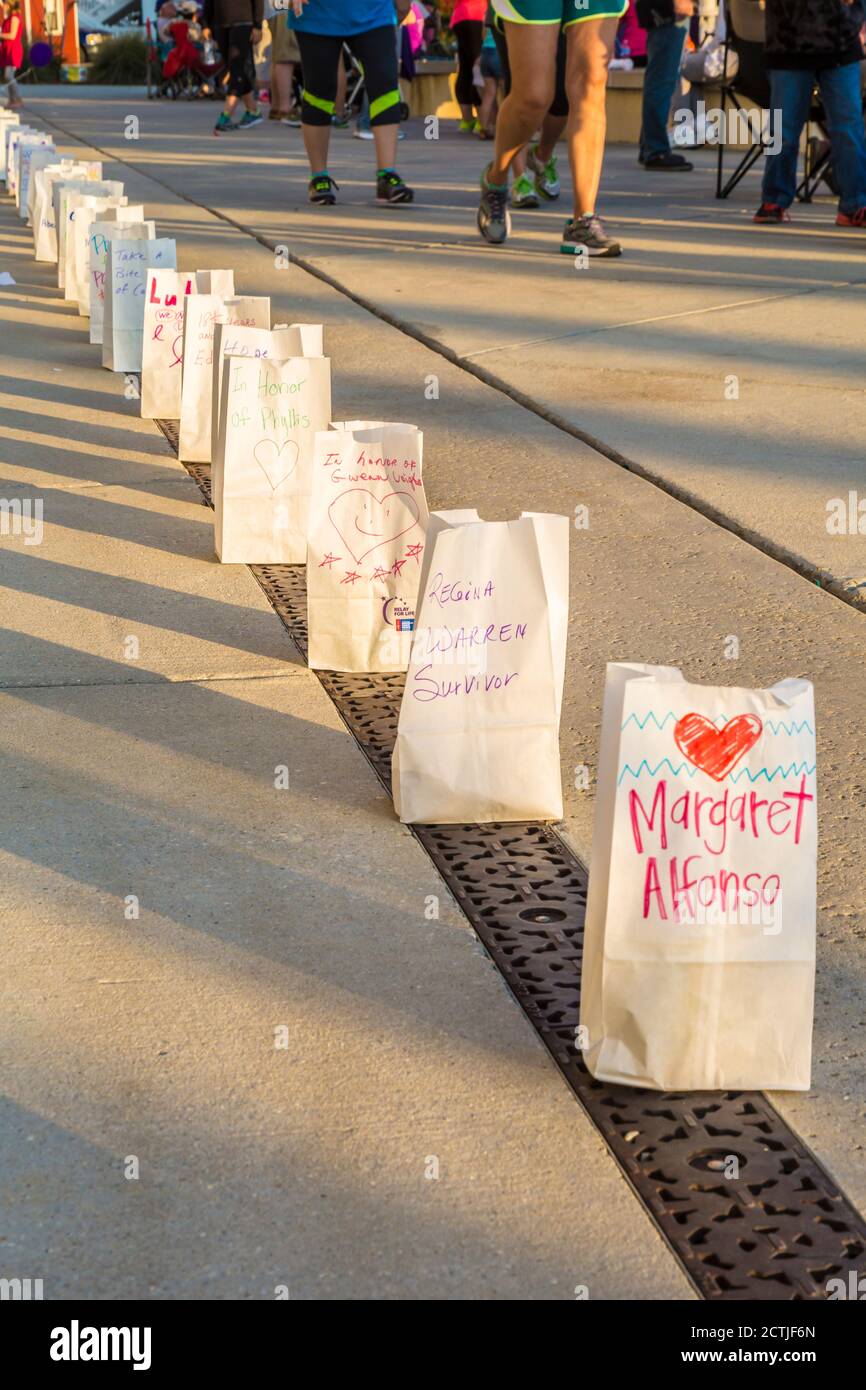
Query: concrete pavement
(651, 579)
(238, 1055)
(722, 358)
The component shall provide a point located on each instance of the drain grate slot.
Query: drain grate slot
(781, 1227)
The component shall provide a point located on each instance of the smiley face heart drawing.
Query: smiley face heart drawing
(716, 751)
(277, 463)
(364, 522)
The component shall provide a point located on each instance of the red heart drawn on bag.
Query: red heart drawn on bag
(277, 464)
(716, 751)
(364, 522)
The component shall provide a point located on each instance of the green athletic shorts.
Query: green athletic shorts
(564, 12)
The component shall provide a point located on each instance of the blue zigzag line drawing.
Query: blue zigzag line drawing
(644, 766)
(792, 770)
(775, 726)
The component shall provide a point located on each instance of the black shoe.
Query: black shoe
(668, 161)
(321, 190)
(390, 188)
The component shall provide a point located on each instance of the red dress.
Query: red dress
(184, 54)
(12, 49)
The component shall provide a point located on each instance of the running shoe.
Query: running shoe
(275, 114)
(667, 162)
(469, 127)
(390, 188)
(587, 234)
(771, 212)
(223, 124)
(292, 118)
(857, 218)
(249, 119)
(321, 190)
(546, 177)
(339, 122)
(494, 219)
(523, 194)
(360, 134)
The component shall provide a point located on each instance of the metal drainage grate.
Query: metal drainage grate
(783, 1227)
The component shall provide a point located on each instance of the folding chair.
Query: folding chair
(744, 36)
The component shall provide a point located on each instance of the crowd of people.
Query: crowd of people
(530, 74)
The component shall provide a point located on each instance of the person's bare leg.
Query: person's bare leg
(590, 44)
(317, 138)
(385, 137)
(249, 101)
(487, 109)
(231, 103)
(282, 74)
(532, 58)
(342, 83)
(551, 133)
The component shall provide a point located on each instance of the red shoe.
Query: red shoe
(857, 218)
(771, 212)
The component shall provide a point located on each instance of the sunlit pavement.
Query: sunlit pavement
(154, 778)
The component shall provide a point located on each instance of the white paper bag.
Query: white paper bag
(63, 191)
(9, 120)
(261, 475)
(121, 222)
(33, 158)
(162, 352)
(83, 209)
(162, 359)
(125, 282)
(478, 731)
(368, 522)
(231, 340)
(699, 953)
(23, 140)
(202, 313)
(44, 222)
(215, 282)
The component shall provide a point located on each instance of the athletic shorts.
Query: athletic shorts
(564, 12)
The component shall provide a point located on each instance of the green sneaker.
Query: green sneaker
(494, 219)
(249, 119)
(223, 124)
(546, 176)
(523, 194)
(469, 126)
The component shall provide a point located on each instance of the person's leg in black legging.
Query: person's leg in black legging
(236, 43)
(469, 34)
(320, 58)
(376, 52)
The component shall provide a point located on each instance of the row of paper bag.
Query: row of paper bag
(700, 933)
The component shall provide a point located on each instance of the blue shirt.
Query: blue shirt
(342, 17)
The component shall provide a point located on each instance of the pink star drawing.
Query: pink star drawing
(379, 573)
(413, 552)
(397, 567)
(329, 560)
(351, 576)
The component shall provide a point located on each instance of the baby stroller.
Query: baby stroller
(190, 66)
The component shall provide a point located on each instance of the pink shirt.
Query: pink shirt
(468, 9)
